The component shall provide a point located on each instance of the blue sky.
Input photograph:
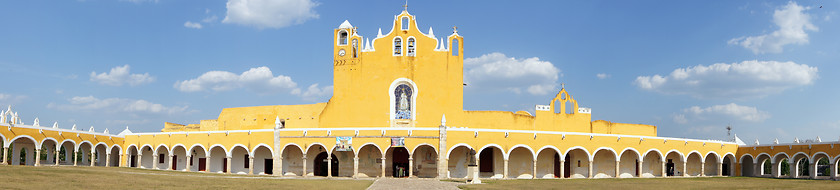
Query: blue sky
(688, 67)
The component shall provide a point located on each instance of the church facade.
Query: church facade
(397, 111)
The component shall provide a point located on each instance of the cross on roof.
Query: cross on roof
(406, 5)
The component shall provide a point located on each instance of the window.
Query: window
(410, 47)
(161, 159)
(397, 46)
(342, 38)
(402, 101)
(404, 23)
(355, 48)
(454, 47)
(247, 160)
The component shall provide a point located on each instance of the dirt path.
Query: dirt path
(411, 183)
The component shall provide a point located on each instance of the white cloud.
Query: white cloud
(727, 112)
(603, 75)
(313, 93)
(11, 99)
(121, 75)
(260, 80)
(195, 25)
(495, 71)
(736, 80)
(270, 13)
(210, 19)
(793, 24)
(123, 105)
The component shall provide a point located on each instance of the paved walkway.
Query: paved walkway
(411, 183)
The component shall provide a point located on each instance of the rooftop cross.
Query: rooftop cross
(562, 85)
(455, 29)
(406, 5)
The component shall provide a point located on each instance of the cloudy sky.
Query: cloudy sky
(690, 68)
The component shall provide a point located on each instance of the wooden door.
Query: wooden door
(269, 166)
(202, 164)
(224, 165)
(567, 166)
(174, 162)
(486, 161)
(556, 165)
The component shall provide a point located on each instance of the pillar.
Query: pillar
(107, 159)
(207, 163)
(56, 156)
(684, 169)
(5, 155)
(171, 159)
(250, 165)
(329, 165)
(617, 169)
(92, 157)
(505, 175)
(793, 167)
(720, 169)
(562, 168)
(75, 160)
(664, 173)
(775, 170)
(229, 162)
(278, 168)
(703, 168)
(37, 157)
(121, 157)
(383, 167)
(535, 170)
(303, 174)
(590, 170)
(812, 170)
(833, 169)
(356, 166)
(139, 162)
(189, 163)
(639, 168)
(154, 161)
(410, 166)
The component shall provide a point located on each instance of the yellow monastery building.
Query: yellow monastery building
(397, 111)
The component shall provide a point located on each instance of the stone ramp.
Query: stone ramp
(412, 183)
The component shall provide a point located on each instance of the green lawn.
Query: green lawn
(659, 183)
(66, 177)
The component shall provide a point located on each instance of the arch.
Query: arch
(397, 46)
(521, 162)
(83, 143)
(413, 107)
(710, 164)
(216, 159)
(262, 145)
(48, 138)
(494, 146)
(629, 163)
(315, 144)
(230, 152)
(117, 146)
(422, 154)
(717, 156)
(741, 160)
(694, 163)
(774, 160)
(35, 142)
(576, 165)
(369, 160)
(661, 156)
(127, 149)
(342, 37)
(696, 152)
(549, 162)
(205, 150)
(449, 152)
(803, 154)
(404, 23)
(162, 145)
(550, 147)
(5, 142)
(823, 153)
(615, 155)
(455, 47)
(603, 164)
(131, 153)
(533, 153)
(760, 154)
(674, 167)
(220, 146)
(411, 45)
(422, 144)
(652, 164)
(638, 155)
(682, 156)
(588, 155)
(292, 144)
(176, 146)
(747, 162)
(68, 140)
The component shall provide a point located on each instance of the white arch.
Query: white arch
(682, 156)
(49, 138)
(66, 140)
(741, 160)
(422, 144)
(755, 159)
(192, 148)
(129, 148)
(214, 146)
(5, 140)
(140, 151)
(114, 146)
(100, 143)
(393, 87)
(702, 157)
(773, 159)
(588, 155)
(553, 148)
(254, 151)
(802, 153)
(814, 157)
(287, 145)
(592, 157)
(172, 151)
(533, 153)
(449, 152)
(713, 153)
(661, 156)
(381, 153)
(168, 150)
(728, 154)
(23, 136)
(638, 155)
(247, 151)
(313, 144)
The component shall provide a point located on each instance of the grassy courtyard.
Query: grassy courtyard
(65, 177)
(659, 183)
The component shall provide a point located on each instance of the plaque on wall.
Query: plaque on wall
(343, 143)
(397, 142)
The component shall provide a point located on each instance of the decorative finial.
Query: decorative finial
(443, 120)
(562, 85)
(406, 6)
(455, 29)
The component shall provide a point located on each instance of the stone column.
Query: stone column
(304, 166)
(383, 167)
(229, 163)
(617, 168)
(250, 165)
(5, 155)
(278, 169)
(207, 163)
(535, 170)
(812, 170)
(562, 169)
(120, 162)
(442, 162)
(37, 157)
(720, 169)
(356, 166)
(793, 167)
(684, 169)
(92, 157)
(75, 159)
(664, 167)
(56, 156)
(703, 168)
(139, 161)
(155, 161)
(833, 169)
(775, 170)
(590, 175)
(107, 159)
(329, 165)
(410, 166)
(639, 168)
(505, 175)
(189, 163)
(169, 165)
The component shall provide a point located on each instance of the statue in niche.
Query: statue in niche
(403, 102)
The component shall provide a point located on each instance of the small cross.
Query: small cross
(562, 85)
(455, 28)
(406, 5)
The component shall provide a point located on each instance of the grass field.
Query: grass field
(659, 183)
(65, 177)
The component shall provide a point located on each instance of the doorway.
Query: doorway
(202, 164)
(320, 166)
(486, 160)
(669, 167)
(269, 166)
(567, 166)
(399, 162)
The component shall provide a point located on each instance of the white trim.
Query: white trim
(338, 37)
(49, 138)
(110, 149)
(682, 156)
(588, 155)
(313, 144)
(813, 157)
(533, 153)
(562, 157)
(172, 151)
(168, 150)
(661, 156)
(374, 145)
(773, 160)
(127, 149)
(741, 160)
(769, 157)
(504, 154)
(82, 143)
(100, 143)
(702, 158)
(726, 155)
(62, 143)
(414, 92)
(294, 144)
(23, 136)
(801, 153)
(5, 140)
(232, 148)
(60, 130)
(204, 149)
(210, 151)
(140, 151)
(254, 150)
(449, 152)
(615, 155)
(407, 45)
(424, 144)
(638, 155)
(717, 156)
(394, 46)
